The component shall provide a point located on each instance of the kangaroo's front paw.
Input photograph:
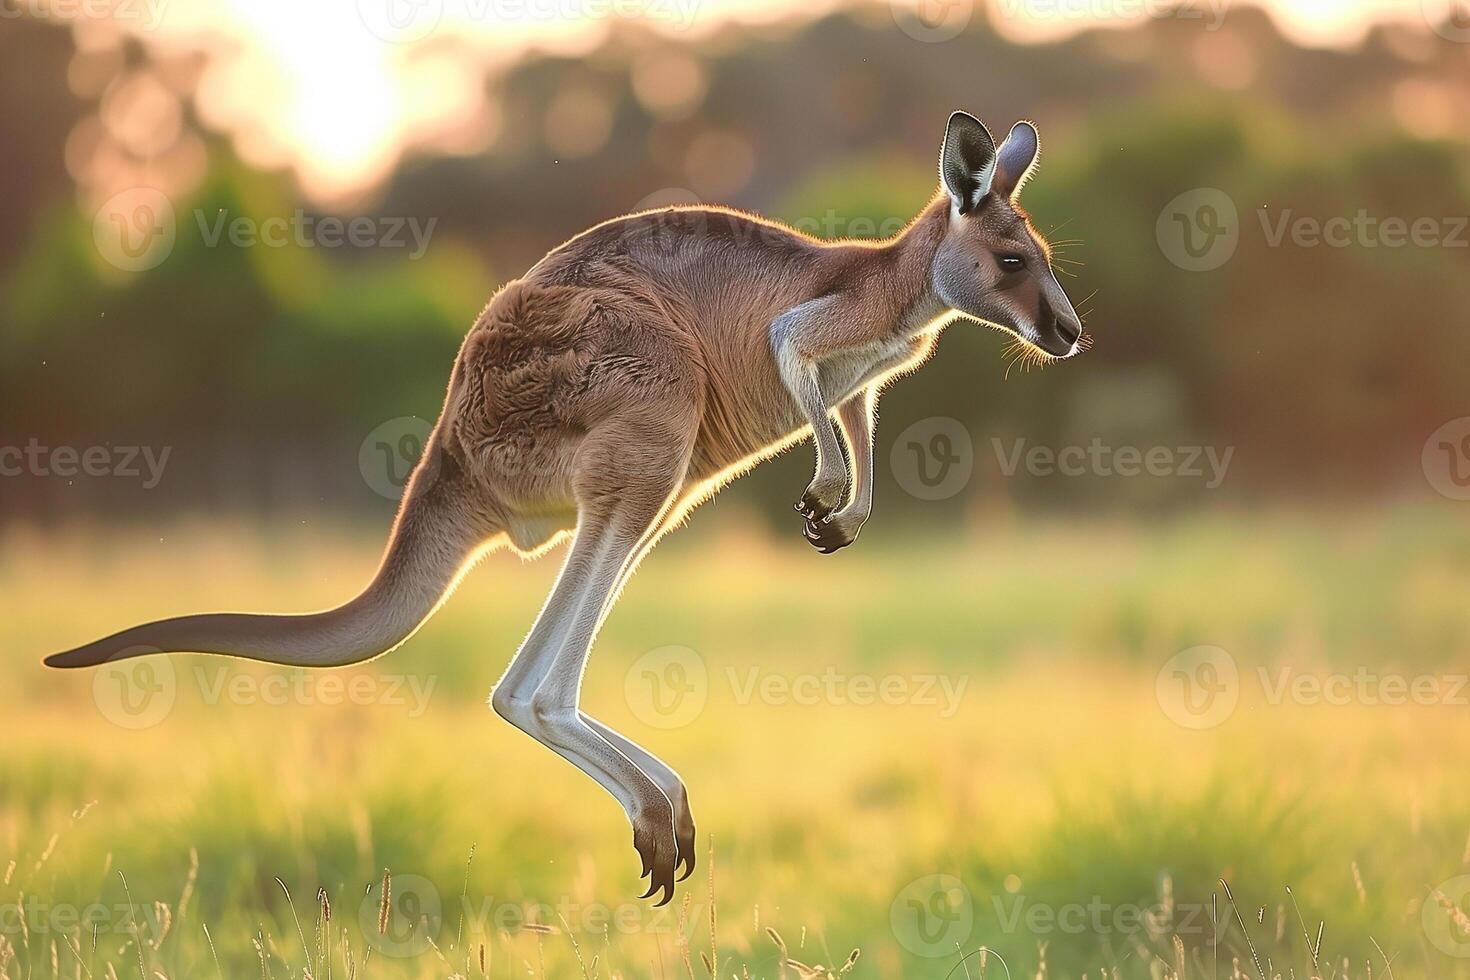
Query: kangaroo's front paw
(822, 497)
(832, 533)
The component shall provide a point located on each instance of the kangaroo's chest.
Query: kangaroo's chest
(844, 374)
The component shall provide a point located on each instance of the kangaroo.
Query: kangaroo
(628, 376)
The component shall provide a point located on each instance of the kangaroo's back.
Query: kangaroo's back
(721, 277)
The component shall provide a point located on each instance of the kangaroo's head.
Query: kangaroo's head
(992, 264)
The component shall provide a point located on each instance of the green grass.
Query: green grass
(1080, 829)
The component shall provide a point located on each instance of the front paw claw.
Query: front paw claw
(830, 534)
(812, 509)
(819, 501)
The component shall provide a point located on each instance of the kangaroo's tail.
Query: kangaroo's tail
(435, 538)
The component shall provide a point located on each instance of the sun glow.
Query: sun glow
(340, 91)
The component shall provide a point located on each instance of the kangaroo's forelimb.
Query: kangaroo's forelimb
(799, 339)
(830, 353)
(855, 418)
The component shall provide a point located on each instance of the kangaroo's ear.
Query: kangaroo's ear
(1017, 159)
(967, 161)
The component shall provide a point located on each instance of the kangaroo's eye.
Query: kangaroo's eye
(1012, 263)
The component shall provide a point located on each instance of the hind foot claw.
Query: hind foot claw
(658, 848)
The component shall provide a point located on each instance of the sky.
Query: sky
(342, 113)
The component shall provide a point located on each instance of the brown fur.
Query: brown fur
(587, 332)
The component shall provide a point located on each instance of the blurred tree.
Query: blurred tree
(265, 367)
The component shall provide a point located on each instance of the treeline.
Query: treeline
(1322, 350)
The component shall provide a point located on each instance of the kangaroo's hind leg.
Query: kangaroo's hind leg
(627, 472)
(655, 768)
(662, 774)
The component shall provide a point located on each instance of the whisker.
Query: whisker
(1012, 354)
(1027, 355)
(1023, 354)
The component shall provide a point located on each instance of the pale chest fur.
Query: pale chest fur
(846, 373)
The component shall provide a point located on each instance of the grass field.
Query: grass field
(914, 749)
